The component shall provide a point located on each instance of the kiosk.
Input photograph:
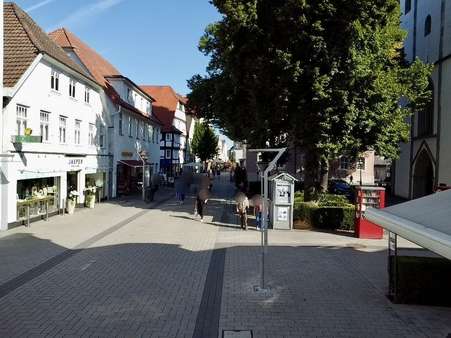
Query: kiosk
(368, 197)
(281, 189)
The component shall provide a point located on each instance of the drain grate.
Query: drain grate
(237, 334)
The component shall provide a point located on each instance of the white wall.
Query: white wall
(48, 159)
(136, 99)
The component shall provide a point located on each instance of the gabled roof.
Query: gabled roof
(165, 104)
(24, 40)
(98, 66)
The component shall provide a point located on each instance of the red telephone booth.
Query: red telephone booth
(366, 197)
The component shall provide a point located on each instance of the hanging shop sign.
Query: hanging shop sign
(26, 139)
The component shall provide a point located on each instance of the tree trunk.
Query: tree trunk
(310, 174)
(324, 175)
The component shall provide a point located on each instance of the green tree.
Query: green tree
(205, 142)
(325, 75)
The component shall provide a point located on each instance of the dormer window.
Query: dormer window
(72, 88)
(54, 80)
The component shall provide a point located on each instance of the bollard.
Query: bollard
(28, 215)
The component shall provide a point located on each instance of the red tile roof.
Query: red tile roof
(24, 40)
(165, 104)
(98, 66)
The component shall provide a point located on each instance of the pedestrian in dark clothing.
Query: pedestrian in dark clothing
(199, 206)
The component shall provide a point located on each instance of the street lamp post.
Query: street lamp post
(264, 226)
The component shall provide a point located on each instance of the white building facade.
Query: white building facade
(134, 131)
(54, 137)
(425, 161)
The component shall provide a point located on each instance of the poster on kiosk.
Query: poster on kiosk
(368, 197)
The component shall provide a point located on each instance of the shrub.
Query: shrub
(325, 217)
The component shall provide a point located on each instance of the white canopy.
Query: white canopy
(425, 221)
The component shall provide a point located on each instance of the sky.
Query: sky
(149, 41)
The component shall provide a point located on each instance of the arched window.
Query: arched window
(407, 6)
(427, 25)
(426, 116)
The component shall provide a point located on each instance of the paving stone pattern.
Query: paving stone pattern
(139, 272)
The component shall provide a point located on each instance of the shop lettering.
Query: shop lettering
(75, 162)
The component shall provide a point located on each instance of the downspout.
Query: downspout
(440, 85)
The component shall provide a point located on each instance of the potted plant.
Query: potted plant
(71, 201)
(90, 197)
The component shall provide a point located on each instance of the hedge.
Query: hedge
(329, 212)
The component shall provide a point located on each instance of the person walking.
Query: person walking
(201, 200)
(242, 208)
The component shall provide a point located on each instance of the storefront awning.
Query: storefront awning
(425, 221)
(132, 163)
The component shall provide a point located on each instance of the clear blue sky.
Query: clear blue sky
(149, 41)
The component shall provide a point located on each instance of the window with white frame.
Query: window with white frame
(145, 129)
(168, 153)
(361, 163)
(148, 105)
(344, 163)
(72, 88)
(21, 119)
(55, 80)
(168, 137)
(137, 128)
(62, 129)
(87, 94)
(101, 136)
(92, 135)
(150, 134)
(120, 124)
(77, 132)
(129, 94)
(44, 125)
(130, 126)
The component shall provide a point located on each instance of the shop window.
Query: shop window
(62, 129)
(91, 135)
(72, 88)
(120, 124)
(428, 25)
(168, 153)
(21, 119)
(344, 163)
(55, 80)
(77, 132)
(87, 94)
(44, 125)
(129, 126)
(102, 136)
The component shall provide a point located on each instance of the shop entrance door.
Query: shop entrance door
(72, 181)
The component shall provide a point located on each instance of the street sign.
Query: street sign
(26, 139)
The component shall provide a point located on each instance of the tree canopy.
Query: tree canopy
(205, 142)
(326, 75)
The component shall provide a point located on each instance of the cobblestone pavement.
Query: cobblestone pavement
(127, 270)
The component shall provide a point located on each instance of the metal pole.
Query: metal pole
(47, 210)
(144, 178)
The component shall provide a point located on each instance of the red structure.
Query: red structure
(373, 197)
